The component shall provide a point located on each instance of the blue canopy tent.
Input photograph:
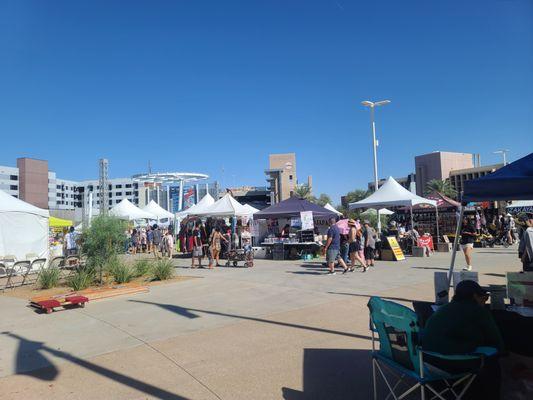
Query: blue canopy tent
(292, 207)
(511, 182)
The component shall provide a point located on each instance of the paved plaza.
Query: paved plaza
(280, 330)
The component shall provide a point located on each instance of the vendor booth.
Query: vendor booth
(287, 229)
(162, 216)
(333, 209)
(23, 228)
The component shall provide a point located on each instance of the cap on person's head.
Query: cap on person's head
(155, 226)
(467, 289)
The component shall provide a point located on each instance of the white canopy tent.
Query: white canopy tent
(391, 193)
(206, 202)
(331, 208)
(251, 210)
(159, 212)
(126, 210)
(23, 228)
(382, 211)
(227, 206)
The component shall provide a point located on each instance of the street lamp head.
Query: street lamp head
(367, 103)
(382, 102)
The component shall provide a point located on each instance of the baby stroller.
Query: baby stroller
(245, 255)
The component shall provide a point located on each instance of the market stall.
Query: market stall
(23, 228)
(128, 211)
(162, 216)
(300, 220)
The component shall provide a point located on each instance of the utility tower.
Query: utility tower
(102, 181)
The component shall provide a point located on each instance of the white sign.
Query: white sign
(307, 220)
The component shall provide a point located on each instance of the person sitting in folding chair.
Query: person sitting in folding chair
(461, 327)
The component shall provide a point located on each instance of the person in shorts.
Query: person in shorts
(468, 236)
(197, 247)
(333, 247)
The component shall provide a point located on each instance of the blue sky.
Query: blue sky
(217, 85)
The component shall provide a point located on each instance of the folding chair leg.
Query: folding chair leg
(374, 378)
(423, 392)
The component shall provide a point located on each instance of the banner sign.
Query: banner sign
(395, 247)
(307, 220)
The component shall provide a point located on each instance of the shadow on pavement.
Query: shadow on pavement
(191, 311)
(369, 296)
(334, 374)
(31, 361)
(495, 274)
(306, 272)
(436, 268)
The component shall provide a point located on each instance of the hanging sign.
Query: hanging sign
(307, 220)
(395, 247)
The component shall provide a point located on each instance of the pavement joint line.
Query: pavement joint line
(154, 349)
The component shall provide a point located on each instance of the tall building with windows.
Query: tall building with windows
(281, 176)
(438, 165)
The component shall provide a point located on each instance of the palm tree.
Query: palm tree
(303, 191)
(442, 186)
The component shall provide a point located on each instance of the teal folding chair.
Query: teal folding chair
(401, 356)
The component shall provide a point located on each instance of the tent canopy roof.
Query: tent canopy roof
(9, 203)
(157, 210)
(382, 211)
(251, 210)
(56, 222)
(511, 182)
(292, 207)
(126, 210)
(226, 206)
(206, 202)
(331, 208)
(391, 193)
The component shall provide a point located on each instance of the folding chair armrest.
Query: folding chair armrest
(455, 357)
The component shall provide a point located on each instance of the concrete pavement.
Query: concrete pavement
(278, 330)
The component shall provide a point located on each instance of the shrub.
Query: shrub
(49, 278)
(162, 270)
(121, 272)
(80, 280)
(141, 268)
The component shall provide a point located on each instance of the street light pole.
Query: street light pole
(375, 144)
(503, 152)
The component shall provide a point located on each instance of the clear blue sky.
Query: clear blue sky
(201, 85)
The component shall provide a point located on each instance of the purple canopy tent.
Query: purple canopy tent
(291, 208)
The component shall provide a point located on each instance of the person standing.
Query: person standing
(135, 241)
(216, 238)
(333, 247)
(525, 248)
(143, 238)
(197, 247)
(468, 235)
(156, 237)
(70, 242)
(369, 236)
(149, 238)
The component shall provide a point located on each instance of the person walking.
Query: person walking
(169, 243)
(468, 235)
(354, 240)
(333, 247)
(197, 247)
(216, 238)
(369, 236)
(135, 240)
(156, 237)
(525, 247)
(149, 238)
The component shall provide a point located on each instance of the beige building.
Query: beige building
(281, 175)
(33, 181)
(438, 165)
(458, 177)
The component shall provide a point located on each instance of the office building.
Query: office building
(459, 176)
(281, 176)
(438, 165)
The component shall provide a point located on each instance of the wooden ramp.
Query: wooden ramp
(98, 293)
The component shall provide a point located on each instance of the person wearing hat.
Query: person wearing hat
(460, 327)
(525, 248)
(369, 235)
(355, 246)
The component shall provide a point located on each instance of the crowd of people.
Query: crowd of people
(150, 239)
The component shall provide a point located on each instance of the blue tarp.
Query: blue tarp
(291, 208)
(512, 182)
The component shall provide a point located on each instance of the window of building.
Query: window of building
(118, 186)
(13, 187)
(110, 202)
(128, 193)
(117, 201)
(135, 185)
(290, 177)
(119, 193)
(58, 186)
(13, 177)
(128, 185)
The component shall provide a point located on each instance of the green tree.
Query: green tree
(442, 186)
(352, 197)
(323, 199)
(303, 191)
(102, 241)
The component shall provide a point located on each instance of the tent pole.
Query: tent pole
(455, 243)
(437, 218)
(411, 210)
